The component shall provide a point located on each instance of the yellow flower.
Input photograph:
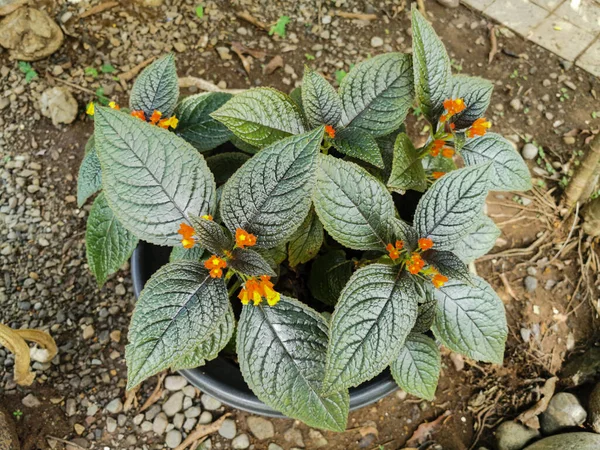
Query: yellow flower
(113, 105)
(90, 109)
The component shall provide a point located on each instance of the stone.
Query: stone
(8, 433)
(294, 437)
(173, 439)
(30, 34)
(146, 426)
(530, 283)
(159, 426)
(564, 411)
(174, 404)
(376, 42)
(273, 446)
(115, 406)
(205, 418)
(178, 420)
(138, 419)
(152, 412)
(210, 403)
(594, 408)
(529, 151)
(241, 442)
(88, 332)
(228, 429)
(260, 427)
(150, 3)
(514, 436)
(79, 429)
(317, 440)
(224, 53)
(189, 424)
(591, 218)
(111, 425)
(449, 3)
(175, 383)
(31, 401)
(516, 104)
(568, 441)
(192, 412)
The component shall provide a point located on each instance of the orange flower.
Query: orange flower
(170, 122)
(216, 273)
(415, 263)
(207, 217)
(155, 117)
(251, 291)
(479, 127)
(139, 114)
(267, 290)
(452, 126)
(187, 234)
(436, 146)
(454, 106)
(439, 280)
(447, 152)
(244, 239)
(425, 243)
(215, 265)
(330, 131)
(437, 175)
(394, 250)
(113, 105)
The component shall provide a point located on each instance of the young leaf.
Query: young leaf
(180, 306)
(249, 262)
(431, 68)
(320, 101)
(269, 196)
(179, 253)
(358, 144)
(448, 210)
(329, 274)
(153, 180)
(354, 207)
(407, 168)
(470, 320)
(282, 350)
(377, 94)
(478, 241)
(375, 312)
(223, 165)
(212, 236)
(156, 88)
(476, 92)
(89, 180)
(417, 368)
(510, 171)
(196, 124)
(279, 27)
(261, 116)
(306, 241)
(448, 264)
(108, 244)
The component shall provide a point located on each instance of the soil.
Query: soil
(478, 396)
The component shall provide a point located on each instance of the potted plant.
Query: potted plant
(289, 254)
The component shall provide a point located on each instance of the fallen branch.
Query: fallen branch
(357, 16)
(252, 20)
(156, 394)
(584, 175)
(73, 85)
(201, 431)
(131, 74)
(506, 284)
(98, 9)
(204, 85)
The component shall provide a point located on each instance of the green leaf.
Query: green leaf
(448, 264)
(153, 180)
(328, 276)
(448, 210)
(89, 180)
(274, 256)
(401, 231)
(386, 146)
(426, 314)
(296, 96)
(269, 196)
(196, 124)
(438, 164)
(212, 236)
(180, 306)
(476, 92)
(156, 88)
(358, 144)
(510, 171)
(478, 241)
(279, 27)
(108, 244)
(261, 116)
(200, 11)
(375, 312)
(179, 253)
(407, 168)
(431, 68)
(107, 68)
(250, 263)
(470, 320)
(209, 348)
(353, 205)
(320, 101)
(378, 93)
(91, 72)
(417, 368)
(244, 146)
(282, 350)
(306, 241)
(224, 165)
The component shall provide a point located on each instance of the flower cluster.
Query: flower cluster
(215, 265)
(437, 146)
(330, 131)
(256, 289)
(156, 119)
(187, 235)
(479, 127)
(414, 262)
(394, 250)
(244, 239)
(452, 107)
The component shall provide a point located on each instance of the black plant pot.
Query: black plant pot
(221, 378)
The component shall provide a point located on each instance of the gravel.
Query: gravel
(174, 404)
(173, 438)
(260, 427)
(241, 442)
(529, 151)
(564, 411)
(514, 436)
(228, 429)
(175, 383)
(530, 283)
(210, 403)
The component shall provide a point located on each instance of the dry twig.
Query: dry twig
(156, 394)
(204, 85)
(98, 9)
(201, 431)
(357, 16)
(131, 74)
(493, 44)
(584, 174)
(131, 398)
(254, 21)
(529, 417)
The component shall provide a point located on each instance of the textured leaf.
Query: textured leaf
(156, 88)
(431, 68)
(306, 241)
(223, 165)
(180, 306)
(448, 210)
(407, 169)
(320, 101)
(209, 348)
(196, 125)
(282, 350)
(89, 180)
(274, 256)
(426, 314)
(439, 164)
(212, 236)
(417, 368)
(386, 147)
(476, 92)
(153, 180)
(400, 230)
(179, 253)
(353, 206)
(470, 320)
(448, 264)
(250, 263)
(108, 244)
(328, 276)
(261, 116)
(510, 171)
(478, 241)
(358, 144)
(375, 312)
(377, 94)
(296, 96)
(269, 196)
(244, 146)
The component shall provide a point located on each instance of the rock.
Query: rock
(31, 401)
(180, 47)
(570, 85)
(594, 408)
(529, 151)
(79, 429)
(530, 283)
(591, 218)
(294, 437)
(173, 438)
(449, 3)
(192, 412)
(569, 140)
(115, 406)
(8, 433)
(260, 427)
(58, 104)
(564, 411)
(111, 425)
(210, 403)
(376, 42)
(241, 442)
(514, 436)
(317, 440)
(159, 426)
(178, 420)
(568, 441)
(228, 429)
(516, 104)
(205, 418)
(224, 53)
(175, 383)
(150, 3)
(30, 34)
(273, 446)
(174, 404)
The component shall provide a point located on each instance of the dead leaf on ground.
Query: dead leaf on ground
(98, 9)
(426, 429)
(530, 417)
(273, 65)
